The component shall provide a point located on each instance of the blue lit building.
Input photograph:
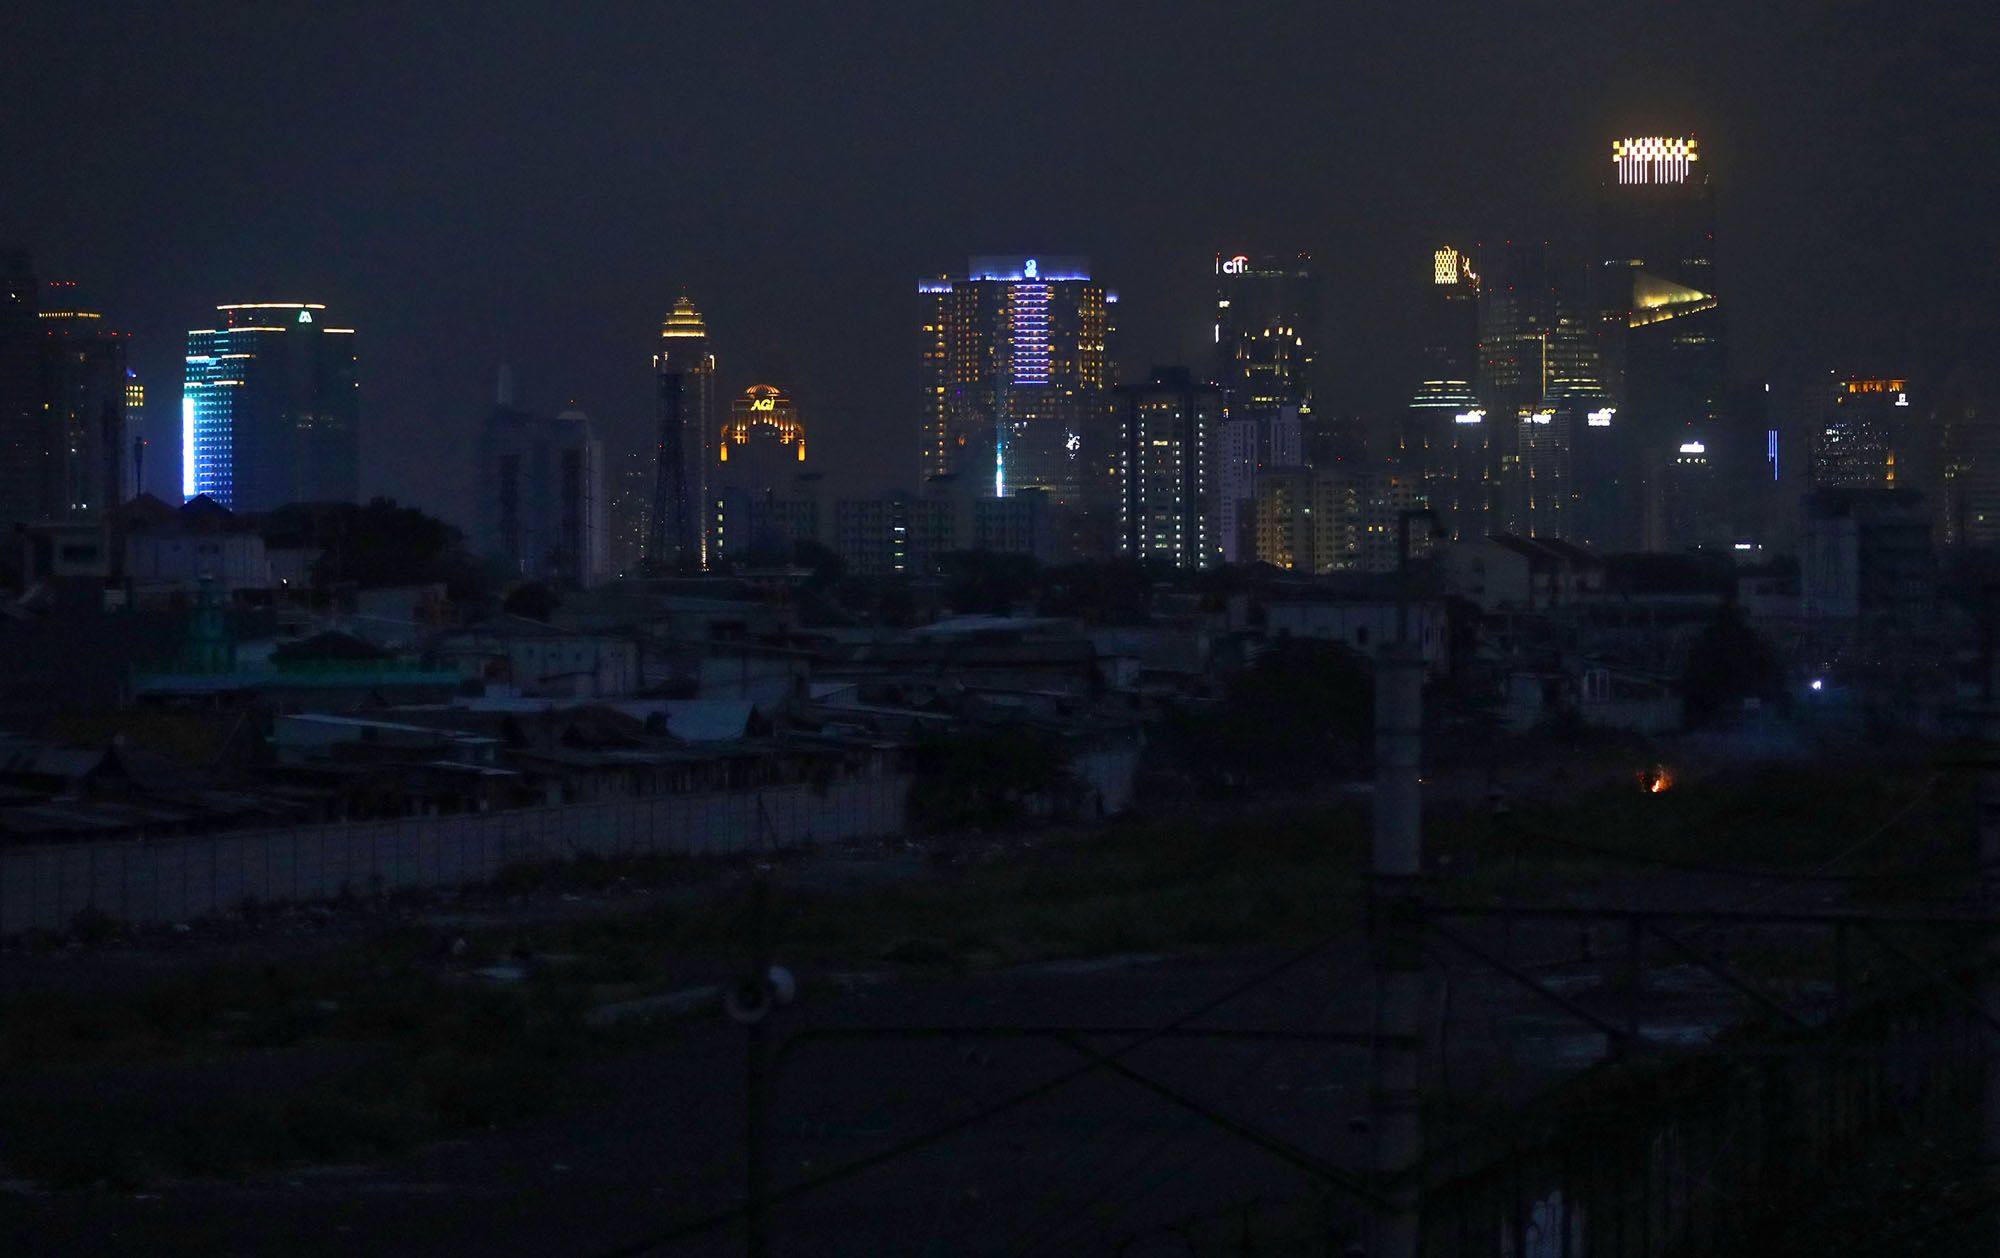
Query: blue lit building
(270, 409)
(1016, 368)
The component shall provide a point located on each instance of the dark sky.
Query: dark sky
(468, 184)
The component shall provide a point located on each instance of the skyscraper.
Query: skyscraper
(20, 392)
(1441, 445)
(86, 424)
(542, 503)
(759, 456)
(1166, 429)
(1863, 432)
(1662, 329)
(270, 410)
(1517, 313)
(1266, 331)
(1016, 364)
(684, 371)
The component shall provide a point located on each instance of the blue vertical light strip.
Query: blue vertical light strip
(1771, 450)
(187, 444)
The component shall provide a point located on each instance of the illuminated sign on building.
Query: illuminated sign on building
(1600, 419)
(1654, 158)
(1693, 447)
(1449, 266)
(1237, 265)
(1468, 417)
(1538, 417)
(763, 403)
(1877, 386)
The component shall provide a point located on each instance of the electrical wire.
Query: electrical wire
(707, 1223)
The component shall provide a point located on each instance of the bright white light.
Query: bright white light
(1468, 417)
(1902, 399)
(187, 447)
(1745, 546)
(1600, 419)
(1693, 447)
(1818, 684)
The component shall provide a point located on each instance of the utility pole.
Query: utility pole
(1395, 1101)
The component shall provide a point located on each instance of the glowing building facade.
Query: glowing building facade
(270, 408)
(1016, 368)
(684, 442)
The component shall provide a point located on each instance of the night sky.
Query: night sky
(472, 184)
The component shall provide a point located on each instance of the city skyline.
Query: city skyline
(408, 247)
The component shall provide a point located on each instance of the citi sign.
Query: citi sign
(1237, 265)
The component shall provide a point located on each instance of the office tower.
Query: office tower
(86, 426)
(542, 504)
(20, 392)
(633, 476)
(1016, 365)
(1517, 314)
(1865, 433)
(271, 407)
(1968, 506)
(1166, 428)
(1603, 509)
(1266, 332)
(759, 455)
(134, 482)
(1429, 438)
(684, 441)
(1662, 327)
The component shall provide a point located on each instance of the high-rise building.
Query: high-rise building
(1865, 433)
(1312, 521)
(87, 421)
(1167, 430)
(542, 505)
(1661, 326)
(20, 392)
(1266, 332)
(1016, 367)
(1517, 314)
(1968, 503)
(1439, 423)
(759, 455)
(684, 441)
(633, 475)
(270, 412)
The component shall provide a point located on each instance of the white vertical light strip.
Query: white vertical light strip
(187, 446)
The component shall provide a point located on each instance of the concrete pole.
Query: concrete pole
(1395, 1102)
(1986, 812)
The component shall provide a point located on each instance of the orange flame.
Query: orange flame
(1656, 779)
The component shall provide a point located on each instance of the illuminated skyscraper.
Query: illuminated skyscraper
(1661, 326)
(684, 370)
(1266, 331)
(270, 409)
(1865, 433)
(1441, 445)
(1016, 368)
(87, 422)
(1166, 428)
(759, 457)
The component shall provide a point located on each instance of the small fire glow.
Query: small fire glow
(1656, 779)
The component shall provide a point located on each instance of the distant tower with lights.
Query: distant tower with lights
(1016, 369)
(684, 372)
(1266, 331)
(270, 408)
(1660, 325)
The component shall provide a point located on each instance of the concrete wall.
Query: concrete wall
(154, 882)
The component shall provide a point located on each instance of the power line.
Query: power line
(696, 1227)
